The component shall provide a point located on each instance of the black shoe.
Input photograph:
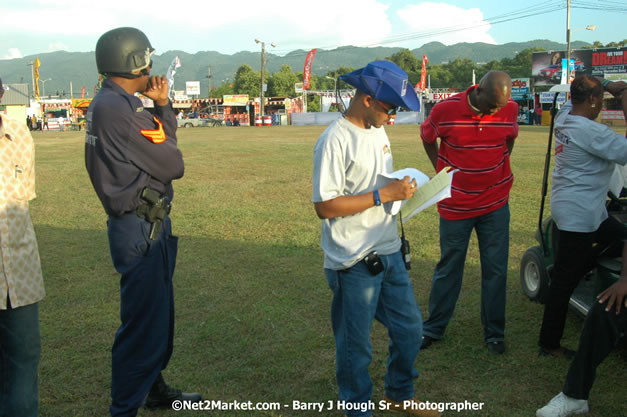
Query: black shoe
(560, 352)
(162, 396)
(427, 341)
(496, 347)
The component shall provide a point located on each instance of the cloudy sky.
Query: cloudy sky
(31, 27)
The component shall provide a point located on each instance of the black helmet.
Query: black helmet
(122, 51)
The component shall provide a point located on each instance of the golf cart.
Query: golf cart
(536, 265)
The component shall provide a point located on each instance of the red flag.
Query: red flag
(83, 92)
(423, 73)
(307, 73)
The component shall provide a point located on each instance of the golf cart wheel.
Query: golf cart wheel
(188, 125)
(534, 277)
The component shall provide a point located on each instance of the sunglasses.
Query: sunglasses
(390, 109)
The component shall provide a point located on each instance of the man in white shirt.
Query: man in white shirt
(363, 262)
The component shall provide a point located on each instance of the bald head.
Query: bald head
(495, 89)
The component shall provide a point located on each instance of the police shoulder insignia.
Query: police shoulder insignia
(155, 135)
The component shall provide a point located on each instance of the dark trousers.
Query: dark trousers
(493, 237)
(574, 257)
(143, 343)
(600, 333)
(20, 348)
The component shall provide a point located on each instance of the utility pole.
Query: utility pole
(568, 42)
(32, 73)
(263, 64)
(263, 59)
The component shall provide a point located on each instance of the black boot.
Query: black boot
(162, 396)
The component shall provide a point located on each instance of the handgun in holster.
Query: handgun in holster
(155, 208)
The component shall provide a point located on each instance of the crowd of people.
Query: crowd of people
(132, 157)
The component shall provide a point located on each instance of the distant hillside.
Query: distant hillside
(79, 68)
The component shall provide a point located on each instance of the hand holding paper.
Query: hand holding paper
(403, 189)
(428, 193)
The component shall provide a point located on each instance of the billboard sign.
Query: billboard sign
(192, 88)
(520, 88)
(546, 67)
(546, 97)
(235, 99)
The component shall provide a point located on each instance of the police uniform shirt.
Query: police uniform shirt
(20, 268)
(128, 149)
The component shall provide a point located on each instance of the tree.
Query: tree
(409, 63)
(595, 45)
(224, 89)
(281, 84)
(616, 44)
(247, 81)
(406, 60)
(313, 103)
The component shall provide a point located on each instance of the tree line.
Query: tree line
(455, 74)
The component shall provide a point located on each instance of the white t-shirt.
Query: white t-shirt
(346, 162)
(585, 155)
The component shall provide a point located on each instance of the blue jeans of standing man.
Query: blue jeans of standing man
(493, 235)
(358, 298)
(20, 349)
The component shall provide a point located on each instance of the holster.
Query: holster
(154, 209)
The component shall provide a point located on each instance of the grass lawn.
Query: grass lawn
(253, 306)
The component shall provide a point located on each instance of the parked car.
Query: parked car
(191, 122)
(198, 122)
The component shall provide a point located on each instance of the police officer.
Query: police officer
(132, 157)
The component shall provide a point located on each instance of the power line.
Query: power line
(534, 10)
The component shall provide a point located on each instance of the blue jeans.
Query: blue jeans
(143, 343)
(493, 236)
(358, 298)
(20, 349)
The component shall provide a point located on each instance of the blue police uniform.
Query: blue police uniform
(127, 149)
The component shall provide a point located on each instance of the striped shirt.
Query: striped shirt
(477, 147)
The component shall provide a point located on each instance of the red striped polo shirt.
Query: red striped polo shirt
(477, 147)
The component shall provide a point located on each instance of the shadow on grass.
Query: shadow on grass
(253, 325)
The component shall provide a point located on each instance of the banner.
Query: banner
(83, 92)
(307, 73)
(176, 63)
(423, 74)
(36, 66)
(566, 79)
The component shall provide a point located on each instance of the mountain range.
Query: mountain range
(60, 69)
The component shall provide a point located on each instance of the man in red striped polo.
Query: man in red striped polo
(477, 129)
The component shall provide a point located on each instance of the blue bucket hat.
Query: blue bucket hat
(384, 81)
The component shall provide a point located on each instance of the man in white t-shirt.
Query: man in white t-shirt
(363, 262)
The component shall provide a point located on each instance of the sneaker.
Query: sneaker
(496, 347)
(162, 395)
(427, 341)
(560, 352)
(563, 406)
(414, 408)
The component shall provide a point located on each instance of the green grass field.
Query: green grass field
(252, 301)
